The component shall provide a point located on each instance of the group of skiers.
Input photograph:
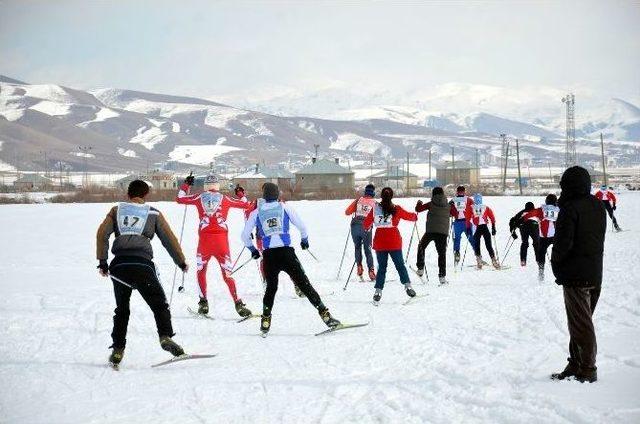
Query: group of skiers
(268, 221)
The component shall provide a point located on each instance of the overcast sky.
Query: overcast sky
(203, 48)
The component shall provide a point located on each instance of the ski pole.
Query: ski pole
(344, 251)
(312, 255)
(349, 277)
(506, 245)
(410, 242)
(495, 243)
(508, 249)
(175, 269)
(124, 283)
(465, 253)
(238, 257)
(240, 267)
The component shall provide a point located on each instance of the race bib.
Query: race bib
(460, 203)
(132, 218)
(478, 210)
(381, 220)
(272, 219)
(550, 212)
(211, 202)
(363, 208)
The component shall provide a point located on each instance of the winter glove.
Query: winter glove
(255, 254)
(493, 230)
(190, 180)
(514, 235)
(184, 267)
(304, 244)
(614, 207)
(104, 268)
(418, 205)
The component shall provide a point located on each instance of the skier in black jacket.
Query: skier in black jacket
(576, 261)
(527, 221)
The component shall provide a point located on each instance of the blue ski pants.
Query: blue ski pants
(460, 227)
(362, 240)
(398, 261)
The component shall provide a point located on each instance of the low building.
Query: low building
(162, 180)
(253, 180)
(458, 173)
(32, 182)
(324, 178)
(395, 177)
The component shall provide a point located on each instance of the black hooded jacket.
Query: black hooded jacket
(578, 246)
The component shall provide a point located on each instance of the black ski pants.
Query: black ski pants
(609, 208)
(580, 302)
(529, 230)
(140, 273)
(543, 245)
(482, 231)
(441, 247)
(284, 259)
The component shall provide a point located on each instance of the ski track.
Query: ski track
(478, 350)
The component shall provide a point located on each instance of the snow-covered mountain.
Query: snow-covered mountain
(131, 130)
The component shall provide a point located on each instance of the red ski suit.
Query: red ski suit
(213, 208)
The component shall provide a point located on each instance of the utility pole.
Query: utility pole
(604, 166)
(570, 158)
(370, 167)
(407, 172)
(316, 146)
(504, 174)
(518, 159)
(85, 153)
(429, 163)
(453, 165)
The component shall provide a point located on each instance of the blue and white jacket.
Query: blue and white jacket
(273, 221)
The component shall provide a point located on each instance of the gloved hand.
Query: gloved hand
(239, 191)
(615, 207)
(418, 205)
(304, 243)
(184, 267)
(190, 180)
(255, 254)
(514, 235)
(104, 268)
(493, 230)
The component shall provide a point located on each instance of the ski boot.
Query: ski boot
(298, 291)
(242, 309)
(479, 262)
(540, 272)
(377, 296)
(523, 263)
(420, 272)
(495, 263)
(456, 258)
(569, 371)
(265, 325)
(330, 321)
(372, 274)
(116, 356)
(410, 291)
(360, 270)
(167, 343)
(443, 280)
(203, 306)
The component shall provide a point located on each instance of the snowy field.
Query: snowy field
(478, 350)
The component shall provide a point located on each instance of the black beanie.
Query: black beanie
(437, 190)
(270, 191)
(529, 206)
(551, 199)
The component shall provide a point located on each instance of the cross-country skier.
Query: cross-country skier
(527, 221)
(213, 208)
(360, 208)
(273, 219)
(547, 214)
(610, 200)
(437, 230)
(387, 240)
(461, 206)
(134, 224)
(478, 220)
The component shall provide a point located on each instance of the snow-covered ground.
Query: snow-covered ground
(478, 350)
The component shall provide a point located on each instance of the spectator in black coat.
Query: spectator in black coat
(576, 261)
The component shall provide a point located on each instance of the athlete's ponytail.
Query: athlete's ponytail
(388, 208)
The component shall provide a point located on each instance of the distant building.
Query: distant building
(325, 177)
(32, 182)
(395, 177)
(458, 173)
(158, 180)
(253, 180)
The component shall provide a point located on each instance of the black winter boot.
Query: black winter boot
(265, 324)
(587, 375)
(116, 355)
(242, 309)
(203, 306)
(330, 321)
(569, 371)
